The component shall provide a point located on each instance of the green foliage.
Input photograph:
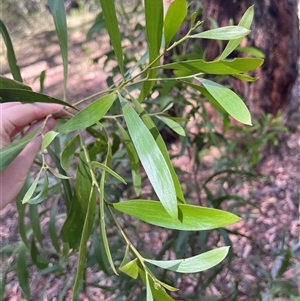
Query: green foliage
(59, 16)
(109, 12)
(13, 150)
(173, 20)
(190, 218)
(27, 96)
(264, 134)
(232, 104)
(22, 271)
(245, 22)
(103, 146)
(155, 165)
(11, 58)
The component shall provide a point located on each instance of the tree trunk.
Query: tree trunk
(275, 31)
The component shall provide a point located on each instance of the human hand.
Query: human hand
(14, 118)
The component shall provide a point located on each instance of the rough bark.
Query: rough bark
(275, 31)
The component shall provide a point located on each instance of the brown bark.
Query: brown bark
(275, 31)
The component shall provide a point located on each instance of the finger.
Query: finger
(15, 173)
(5, 141)
(57, 114)
(6, 105)
(22, 115)
(36, 125)
(13, 177)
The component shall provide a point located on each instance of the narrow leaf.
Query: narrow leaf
(11, 58)
(252, 50)
(58, 175)
(247, 18)
(133, 160)
(109, 12)
(149, 296)
(193, 264)
(102, 214)
(42, 78)
(245, 22)
(59, 16)
(126, 258)
(52, 228)
(157, 291)
(37, 259)
(166, 286)
(193, 19)
(130, 268)
(47, 139)
(12, 84)
(55, 268)
(222, 33)
(10, 152)
(173, 20)
(168, 107)
(173, 125)
(99, 23)
(207, 95)
(22, 272)
(87, 228)
(228, 67)
(35, 222)
(22, 225)
(99, 165)
(99, 252)
(69, 152)
(230, 101)
(154, 28)
(42, 194)
(90, 114)
(162, 146)
(67, 191)
(245, 77)
(25, 96)
(32, 189)
(191, 218)
(72, 229)
(151, 158)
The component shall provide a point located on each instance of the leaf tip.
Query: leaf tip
(249, 122)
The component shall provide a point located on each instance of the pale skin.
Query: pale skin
(14, 117)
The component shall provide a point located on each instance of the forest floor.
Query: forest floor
(278, 196)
